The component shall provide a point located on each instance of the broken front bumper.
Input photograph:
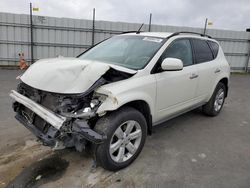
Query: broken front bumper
(58, 131)
(50, 117)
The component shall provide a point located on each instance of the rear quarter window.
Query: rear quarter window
(214, 47)
(202, 51)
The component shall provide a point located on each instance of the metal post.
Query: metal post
(93, 28)
(205, 27)
(150, 19)
(31, 35)
(248, 54)
(248, 58)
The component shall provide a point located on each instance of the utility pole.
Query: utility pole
(93, 28)
(205, 27)
(248, 54)
(248, 60)
(31, 35)
(150, 20)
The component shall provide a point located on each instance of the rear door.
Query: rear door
(207, 66)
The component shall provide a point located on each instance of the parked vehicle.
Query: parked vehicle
(112, 95)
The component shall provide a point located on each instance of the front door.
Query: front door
(176, 89)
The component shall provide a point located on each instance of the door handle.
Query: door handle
(193, 76)
(217, 70)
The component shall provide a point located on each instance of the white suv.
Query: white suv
(110, 96)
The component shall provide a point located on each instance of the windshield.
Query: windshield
(132, 52)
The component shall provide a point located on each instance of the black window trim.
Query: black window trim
(214, 55)
(156, 70)
(195, 61)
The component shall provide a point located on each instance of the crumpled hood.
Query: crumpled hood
(67, 75)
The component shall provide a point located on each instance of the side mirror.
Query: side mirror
(172, 64)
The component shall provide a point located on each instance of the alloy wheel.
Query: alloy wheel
(125, 141)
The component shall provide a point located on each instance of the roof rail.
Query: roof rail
(188, 32)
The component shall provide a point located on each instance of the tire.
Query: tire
(215, 104)
(110, 125)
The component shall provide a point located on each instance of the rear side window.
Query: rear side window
(202, 51)
(215, 48)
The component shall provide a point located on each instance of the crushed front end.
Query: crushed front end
(58, 120)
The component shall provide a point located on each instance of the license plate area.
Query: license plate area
(34, 119)
(27, 114)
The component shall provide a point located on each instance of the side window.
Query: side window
(202, 51)
(215, 48)
(180, 49)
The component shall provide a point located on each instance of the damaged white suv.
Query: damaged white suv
(110, 96)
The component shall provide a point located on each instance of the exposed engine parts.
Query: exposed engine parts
(78, 109)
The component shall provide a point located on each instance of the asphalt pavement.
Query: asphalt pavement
(191, 150)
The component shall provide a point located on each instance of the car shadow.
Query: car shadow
(178, 121)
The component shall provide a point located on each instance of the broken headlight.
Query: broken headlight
(67, 105)
(94, 103)
(84, 109)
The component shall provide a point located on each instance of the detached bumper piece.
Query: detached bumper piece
(81, 127)
(52, 128)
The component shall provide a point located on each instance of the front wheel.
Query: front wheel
(215, 104)
(126, 131)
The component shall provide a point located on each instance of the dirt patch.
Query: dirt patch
(11, 164)
(41, 172)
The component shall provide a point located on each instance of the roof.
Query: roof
(152, 34)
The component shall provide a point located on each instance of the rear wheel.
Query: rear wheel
(126, 131)
(215, 104)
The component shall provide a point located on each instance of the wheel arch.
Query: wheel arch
(225, 82)
(138, 104)
(143, 107)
